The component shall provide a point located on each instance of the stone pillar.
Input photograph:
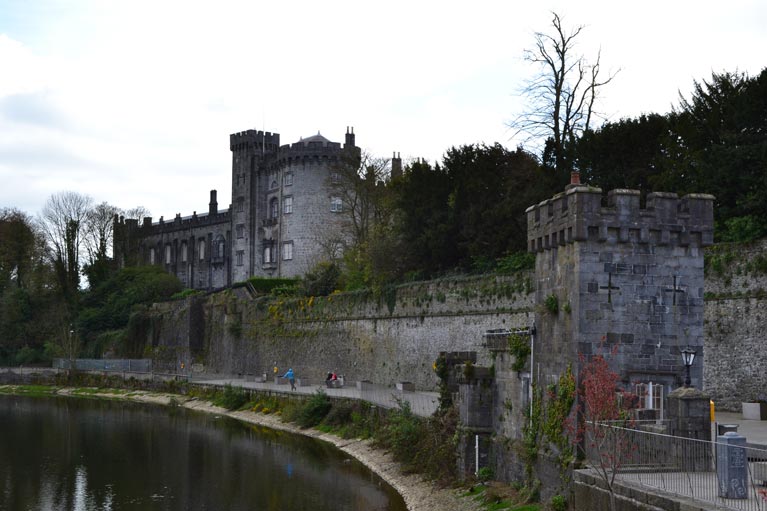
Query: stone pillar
(689, 416)
(689, 413)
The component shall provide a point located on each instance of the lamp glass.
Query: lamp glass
(688, 356)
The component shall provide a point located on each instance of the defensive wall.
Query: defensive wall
(389, 337)
(736, 324)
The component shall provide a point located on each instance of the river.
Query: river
(83, 454)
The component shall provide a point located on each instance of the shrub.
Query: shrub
(552, 303)
(314, 410)
(266, 285)
(513, 263)
(402, 433)
(485, 474)
(231, 398)
(558, 503)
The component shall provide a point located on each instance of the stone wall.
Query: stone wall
(388, 338)
(735, 369)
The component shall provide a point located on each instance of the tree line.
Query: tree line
(61, 294)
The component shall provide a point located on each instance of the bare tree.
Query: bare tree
(359, 182)
(139, 213)
(63, 223)
(562, 96)
(99, 226)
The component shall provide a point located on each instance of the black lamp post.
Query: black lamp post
(688, 356)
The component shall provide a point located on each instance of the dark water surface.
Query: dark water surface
(80, 454)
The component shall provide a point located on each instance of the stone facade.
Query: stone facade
(286, 215)
(620, 278)
(735, 319)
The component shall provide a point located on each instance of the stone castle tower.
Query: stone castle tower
(620, 278)
(285, 216)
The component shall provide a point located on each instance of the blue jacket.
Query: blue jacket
(289, 375)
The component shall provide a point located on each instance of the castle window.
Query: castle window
(335, 177)
(221, 249)
(274, 185)
(151, 256)
(183, 252)
(287, 203)
(287, 179)
(240, 230)
(201, 249)
(268, 254)
(240, 257)
(240, 204)
(167, 254)
(336, 206)
(274, 208)
(287, 251)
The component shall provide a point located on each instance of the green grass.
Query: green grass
(28, 390)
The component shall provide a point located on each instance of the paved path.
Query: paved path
(754, 431)
(423, 404)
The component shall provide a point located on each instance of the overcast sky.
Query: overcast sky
(132, 102)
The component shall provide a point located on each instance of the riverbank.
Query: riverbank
(418, 493)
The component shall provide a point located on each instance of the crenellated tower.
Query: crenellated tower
(250, 149)
(620, 278)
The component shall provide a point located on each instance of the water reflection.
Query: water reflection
(83, 455)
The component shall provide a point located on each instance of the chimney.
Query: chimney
(349, 138)
(213, 206)
(575, 180)
(396, 166)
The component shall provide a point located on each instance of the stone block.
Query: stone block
(756, 411)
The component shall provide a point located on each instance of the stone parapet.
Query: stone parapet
(578, 215)
(252, 139)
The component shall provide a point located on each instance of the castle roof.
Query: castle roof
(315, 138)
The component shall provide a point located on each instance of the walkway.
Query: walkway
(423, 404)
(754, 431)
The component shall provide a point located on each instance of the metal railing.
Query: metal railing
(681, 466)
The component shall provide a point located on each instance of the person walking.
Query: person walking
(291, 378)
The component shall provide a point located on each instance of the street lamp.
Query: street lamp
(688, 356)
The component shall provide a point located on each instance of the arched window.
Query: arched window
(183, 252)
(167, 254)
(201, 249)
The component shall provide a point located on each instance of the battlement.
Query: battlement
(252, 139)
(577, 215)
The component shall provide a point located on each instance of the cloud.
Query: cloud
(32, 108)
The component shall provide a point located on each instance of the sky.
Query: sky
(132, 101)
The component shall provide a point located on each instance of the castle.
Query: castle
(286, 215)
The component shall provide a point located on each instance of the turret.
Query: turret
(213, 206)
